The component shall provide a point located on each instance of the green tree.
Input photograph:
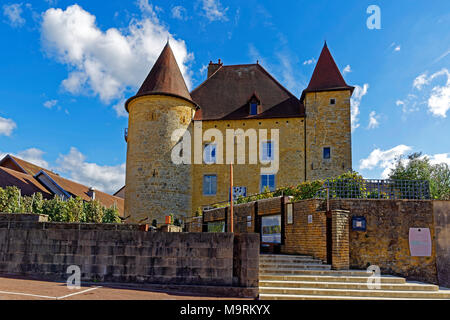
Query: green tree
(93, 211)
(55, 209)
(418, 167)
(13, 200)
(111, 215)
(74, 210)
(38, 202)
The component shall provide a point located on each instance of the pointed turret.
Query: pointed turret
(326, 76)
(165, 78)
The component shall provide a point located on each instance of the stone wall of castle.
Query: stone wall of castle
(291, 170)
(328, 126)
(156, 187)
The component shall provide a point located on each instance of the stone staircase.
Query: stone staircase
(284, 277)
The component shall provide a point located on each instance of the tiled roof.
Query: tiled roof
(25, 182)
(164, 78)
(226, 93)
(326, 75)
(73, 188)
(79, 190)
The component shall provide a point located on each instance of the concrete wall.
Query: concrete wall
(129, 255)
(442, 222)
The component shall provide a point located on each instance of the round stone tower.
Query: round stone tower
(155, 186)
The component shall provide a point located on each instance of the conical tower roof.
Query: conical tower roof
(326, 75)
(165, 78)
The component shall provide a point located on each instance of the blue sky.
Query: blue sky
(68, 66)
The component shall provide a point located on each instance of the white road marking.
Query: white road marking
(77, 293)
(27, 294)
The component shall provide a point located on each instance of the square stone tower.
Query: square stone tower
(328, 144)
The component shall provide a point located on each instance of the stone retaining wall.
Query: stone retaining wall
(124, 254)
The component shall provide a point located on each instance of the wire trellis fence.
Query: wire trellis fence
(375, 189)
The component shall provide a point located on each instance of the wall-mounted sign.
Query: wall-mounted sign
(271, 229)
(290, 214)
(359, 224)
(239, 192)
(249, 221)
(420, 242)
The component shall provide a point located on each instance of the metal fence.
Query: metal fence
(375, 189)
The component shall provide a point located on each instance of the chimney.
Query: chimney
(91, 193)
(213, 67)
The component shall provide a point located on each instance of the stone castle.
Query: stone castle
(314, 135)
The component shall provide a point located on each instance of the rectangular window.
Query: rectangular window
(332, 101)
(253, 109)
(209, 155)
(210, 185)
(267, 180)
(327, 153)
(267, 151)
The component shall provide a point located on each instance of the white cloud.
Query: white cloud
(13, 13)
(310, 61)
(148, 9)
(347, 69)
(439, 98)
(108, 63)
(420, 81)
(105, 178)
(34, 156)
(358, 94)
(50, 103)
(204, 69)
(7, 126)
(440, 158)
(119, 107)
(179, 12)
(383, 159)
(397, 48)
(214, 11)
(373, 120)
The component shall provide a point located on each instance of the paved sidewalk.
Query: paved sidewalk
(15, 288)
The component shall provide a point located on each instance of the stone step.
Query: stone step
(287, 258)
(309, 260)
(284, 256)
(319, 272)
(348, 285)
(353, 279)
(355, 293)
(293, 266)
(308, 297)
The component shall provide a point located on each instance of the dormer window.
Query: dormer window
(254, 105)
